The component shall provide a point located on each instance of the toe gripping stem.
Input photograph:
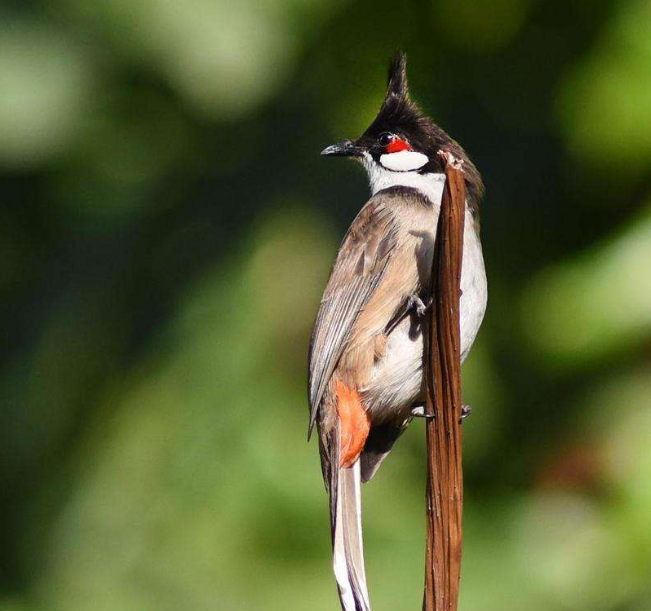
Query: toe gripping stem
(418, 411)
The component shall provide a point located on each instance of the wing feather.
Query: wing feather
(358, 269)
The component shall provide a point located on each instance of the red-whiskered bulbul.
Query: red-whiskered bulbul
(366, 354)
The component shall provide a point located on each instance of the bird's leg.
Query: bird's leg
(414, 302)
(465, 412)
(419, 305)
(418, 411)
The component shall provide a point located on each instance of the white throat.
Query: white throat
(430, 185)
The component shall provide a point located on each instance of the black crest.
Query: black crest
(397, 82)
(398, 112)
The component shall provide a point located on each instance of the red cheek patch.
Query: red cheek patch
(398, 145)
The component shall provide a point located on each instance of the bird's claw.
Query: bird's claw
(418, 411)
(417, 303)
(466, 410)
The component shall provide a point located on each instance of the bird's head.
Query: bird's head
(402, 139)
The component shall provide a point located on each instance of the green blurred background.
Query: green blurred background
(166, 230)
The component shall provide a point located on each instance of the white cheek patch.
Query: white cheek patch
(403, 161)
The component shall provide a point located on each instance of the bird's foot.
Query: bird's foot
(418, 411)
(417, 303)
(466, 410)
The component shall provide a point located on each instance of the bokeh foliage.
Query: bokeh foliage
(166, 230)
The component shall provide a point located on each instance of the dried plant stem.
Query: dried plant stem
(444, 434)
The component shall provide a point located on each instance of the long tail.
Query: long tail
(348, 551)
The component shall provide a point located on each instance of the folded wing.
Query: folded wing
(358, 269)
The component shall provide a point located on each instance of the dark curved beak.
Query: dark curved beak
(342, 149)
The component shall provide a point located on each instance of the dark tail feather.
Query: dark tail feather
(348, 551)
(378, 445)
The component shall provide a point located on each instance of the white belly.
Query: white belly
(397, 379)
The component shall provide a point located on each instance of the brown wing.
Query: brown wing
(359, 267)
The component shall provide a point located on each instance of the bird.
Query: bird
(365, 364)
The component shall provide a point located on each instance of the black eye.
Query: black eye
(385, 139)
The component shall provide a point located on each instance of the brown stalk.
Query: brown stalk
(444, 434)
